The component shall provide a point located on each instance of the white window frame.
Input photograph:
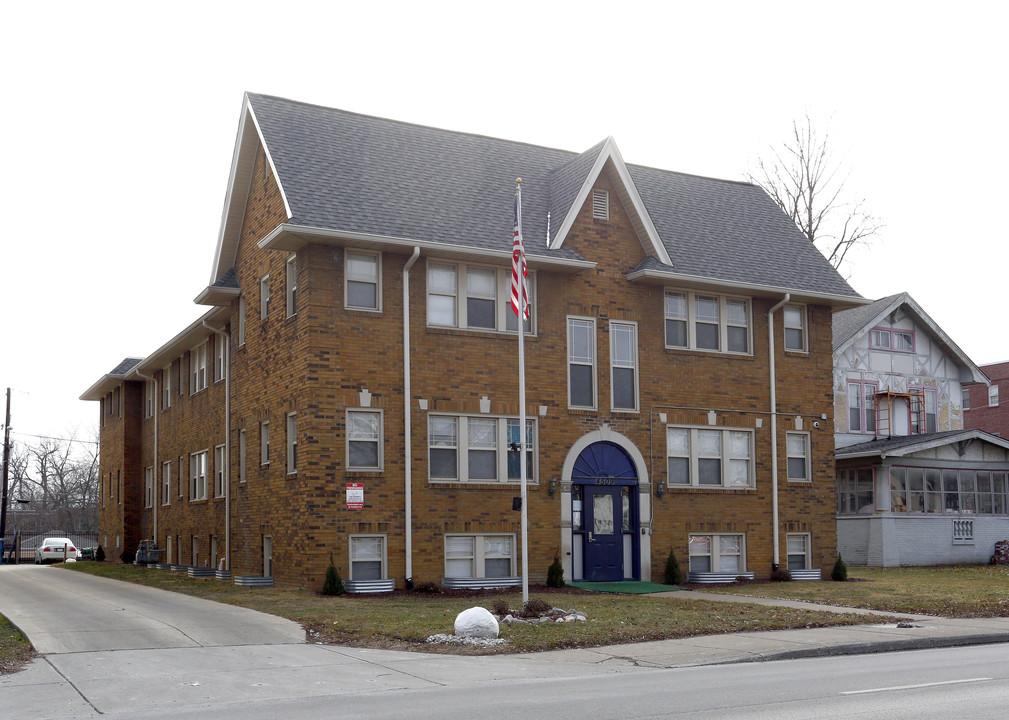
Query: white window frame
(478, 558)
(378, 440)
(715, 552)
(583, 361)
(220, 466)
(198, 475)
(219, 368)
(166, 482)
(965, 398)
(241, 319)
(726, 457)
(877, 335)
(148, 487)
(806, 552)
(351, 277)
(600, 204)
(198, 368)
(166, 387)
(291, 427)
(264, 297)
(264, 442)
(691, 321)
(790, 326)
(504, 318)
(148, 399)
(351, 559)
(615, 364)
(243, 450)
(805, 456)
(291, 294)
(863, 411)
(501, 449)
(993, 395)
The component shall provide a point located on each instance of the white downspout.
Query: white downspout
(156, 469)
(407, 424)
(227, 443)
(774, 431)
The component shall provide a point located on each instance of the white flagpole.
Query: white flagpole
(522, 399)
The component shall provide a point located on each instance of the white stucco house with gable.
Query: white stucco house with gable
(913, 487)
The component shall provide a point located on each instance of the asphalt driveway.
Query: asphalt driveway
(68, 612)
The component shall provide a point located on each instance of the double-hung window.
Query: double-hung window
(364, 440)
(862, 407)
(166, 483)
(362, 287)
(166, 387)
(993, 396)
(797, 450)
(582, 362)
(242, 454)
(713, 323)
(220, 463)
(367, 557)
(148, 487)
(149, 399)
(292, 443)
(218, 358)
(480, 556)
(707, 457)
(882, 338)
(965, 398)
(797, 548)
(473, 296)
(264, 442)
(478, 449)
(198, 369)
(931, 410)
(198, 476)
(717, 553)
(264, 297)
(624, 366)
(241, 320)
(291, 297)
(795, 328)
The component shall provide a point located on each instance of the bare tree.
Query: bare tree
(55, 482)
(806, 183)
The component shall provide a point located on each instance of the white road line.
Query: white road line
(912, 687)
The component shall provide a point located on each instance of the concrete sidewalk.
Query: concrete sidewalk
(86, 684)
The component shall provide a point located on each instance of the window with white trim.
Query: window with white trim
(367, 557)
(241, 319)
(291, 303)
(624, 366)
(947, 490)
(581, 362)
(600, 204)
(965, 398)
(219, 467)
(479, 556)
(862, 407)
(364, 439)
(931, 410)
(148, 399)
(474, 297)
(218, 358)
(717, 553)
(166, 483)
(797, 454)
(993, 396)
(708, 322)
(198, 368)
(264, 442)
(148, 487)
(795, 328)
(166, 387)
(242, 454)
(465, 448)
(292, 443)
(264, 297)
(709, 457)
(363, 280)
(882, 338)
(797, 551)
(198, 476)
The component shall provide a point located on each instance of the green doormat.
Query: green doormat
(630, 587)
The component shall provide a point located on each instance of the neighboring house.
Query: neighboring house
(987, 408)
(913, 486)
(353, 392)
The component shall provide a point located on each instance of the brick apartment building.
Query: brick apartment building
(352, 389)
(987, 408)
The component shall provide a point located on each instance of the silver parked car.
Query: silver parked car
(56, 549)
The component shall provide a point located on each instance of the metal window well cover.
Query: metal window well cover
(629, 587)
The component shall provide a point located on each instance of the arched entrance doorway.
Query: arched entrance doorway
(605, 517)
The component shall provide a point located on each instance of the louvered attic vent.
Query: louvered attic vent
(600, 205)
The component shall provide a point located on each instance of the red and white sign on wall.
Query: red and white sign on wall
(355, 496)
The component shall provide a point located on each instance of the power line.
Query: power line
(52, 437)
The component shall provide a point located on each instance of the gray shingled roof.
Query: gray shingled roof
(847, 323)
(125, 366)
(227, 280)
(355, 173)
(888, 445)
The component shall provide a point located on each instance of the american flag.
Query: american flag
(519, 269)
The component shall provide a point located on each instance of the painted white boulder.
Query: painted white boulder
(476, 622)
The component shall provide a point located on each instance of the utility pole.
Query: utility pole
(7, 457)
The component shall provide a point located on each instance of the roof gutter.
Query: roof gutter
(774, 431)
(227, 443)
(407, 421)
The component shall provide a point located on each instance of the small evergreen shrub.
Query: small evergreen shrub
(100, 554)
(674, 576)
(781, 575)
(128, 556)
(840, 571)
(535, 607)
(555, 574)
(333, 585)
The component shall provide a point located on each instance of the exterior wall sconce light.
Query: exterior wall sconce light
(552, 487)
(660, 489)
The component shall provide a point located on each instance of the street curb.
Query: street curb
(870, 648)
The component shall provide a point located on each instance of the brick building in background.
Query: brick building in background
(987, 408)
(353, 388)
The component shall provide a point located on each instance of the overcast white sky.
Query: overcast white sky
(119, 121)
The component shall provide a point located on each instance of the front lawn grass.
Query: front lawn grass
(404, 620)
(960, 591)
(15, 650)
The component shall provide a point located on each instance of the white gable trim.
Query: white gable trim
(237, 194)
(609, 151)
